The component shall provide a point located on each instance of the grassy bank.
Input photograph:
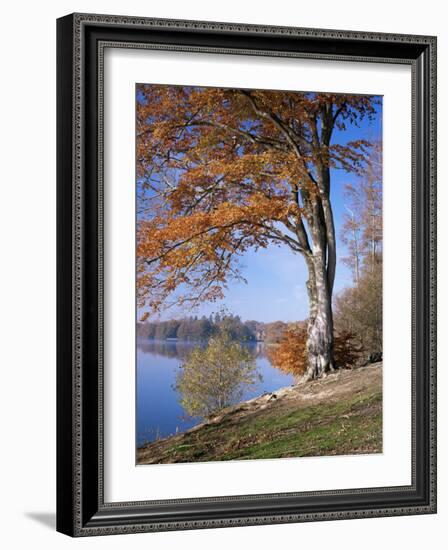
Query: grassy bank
(338, 415)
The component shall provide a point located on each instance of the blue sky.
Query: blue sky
(276, 277)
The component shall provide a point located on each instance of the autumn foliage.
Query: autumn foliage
(290, 355)
(221, 171)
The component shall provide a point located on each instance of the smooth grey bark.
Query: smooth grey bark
(321, 267)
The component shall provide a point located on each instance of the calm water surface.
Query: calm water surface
(159, 413)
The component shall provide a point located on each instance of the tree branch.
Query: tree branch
(275, 144)
(284, 129)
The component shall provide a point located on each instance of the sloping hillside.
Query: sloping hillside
(340, 414)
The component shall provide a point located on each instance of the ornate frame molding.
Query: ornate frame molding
(81, 42)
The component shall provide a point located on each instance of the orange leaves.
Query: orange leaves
(222, 170)
(200, 250)
(290, 355)
(144, 316)
(352, 157)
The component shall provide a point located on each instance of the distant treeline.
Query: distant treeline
(202, 328)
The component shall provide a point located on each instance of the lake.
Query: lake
(159, 413)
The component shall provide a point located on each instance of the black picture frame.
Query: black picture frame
(81, 510)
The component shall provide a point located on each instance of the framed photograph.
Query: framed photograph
(246, 274)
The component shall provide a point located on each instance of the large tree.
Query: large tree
(224, 170)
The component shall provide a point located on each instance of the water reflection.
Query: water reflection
(181, 348)
(159, 413)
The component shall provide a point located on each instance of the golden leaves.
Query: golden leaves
(290, 355)
(222, 170)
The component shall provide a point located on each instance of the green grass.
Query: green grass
(348, 426)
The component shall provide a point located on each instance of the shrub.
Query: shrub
(216, 376)
(347, 349)
(290, 355)
(358, 311)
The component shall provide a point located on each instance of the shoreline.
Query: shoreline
(292, 415)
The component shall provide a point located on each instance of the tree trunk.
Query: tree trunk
(321, 268)
(320, 332)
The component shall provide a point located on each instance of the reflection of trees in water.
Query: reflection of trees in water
(180, 348)
(166, 348)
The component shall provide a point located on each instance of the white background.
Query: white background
(125, 482)
(27, 289)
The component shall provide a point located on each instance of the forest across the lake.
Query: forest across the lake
(196, 328)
